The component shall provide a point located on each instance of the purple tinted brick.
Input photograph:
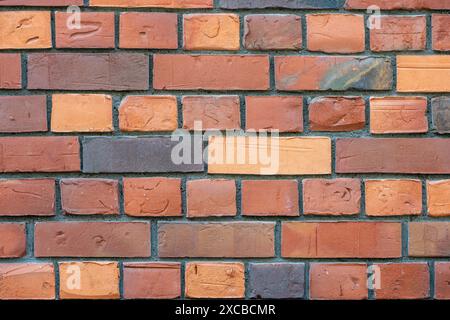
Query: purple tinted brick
(290, 4)
(277, 280)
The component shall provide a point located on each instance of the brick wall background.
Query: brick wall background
(91, 205)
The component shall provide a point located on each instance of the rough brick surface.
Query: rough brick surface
(246, 149)
(89, 196)
(100, 239)
(238, 239)
(27, 197)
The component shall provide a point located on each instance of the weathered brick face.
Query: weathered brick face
(229, 149)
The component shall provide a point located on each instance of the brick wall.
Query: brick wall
(92, 205)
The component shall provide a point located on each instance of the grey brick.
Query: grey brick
(441, 114)
(277, 280)
(132, 154)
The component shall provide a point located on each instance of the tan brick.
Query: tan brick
(89, 280)
(211, 32)
(215, 280)
(287, 155)
(25, 30)
(81, 113)
(438, 198)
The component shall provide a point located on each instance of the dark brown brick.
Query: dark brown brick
(88, 71)
(441, 114)
(289, 4)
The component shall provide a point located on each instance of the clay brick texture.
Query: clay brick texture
(229, 149)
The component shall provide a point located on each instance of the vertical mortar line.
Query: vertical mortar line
(277, 239)
(300, 197)
(305, 106)
(424, 197)
(57, 280)
(429, 32)
(180, 111)
(432, 270)
(184, 198)
(238, 182)
(121, 197)
(243, 111)
(29, 229)
(53, 28)
(24, 71)
(272, 88)
(246, 279)
(117, 30)
(366, 32)
(307, 280)
(116, 102)
(362, 212)
(121, 280)
(183, 279)
(241, 30)
(405, 237)
(86, 3)
(304, 31)
(49, 106)
(180, 31)
(154, 240)
(58, 199)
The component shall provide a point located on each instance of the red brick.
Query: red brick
(441, 32)
(338, 281)
(332, 197)
(10, 71)
(335, 33)
(398, 115)
(153, 3)
(23, 114)
(399, 33)
(270, 198)
(393, 155)
(39, 154)
(337, 114)
(27, 281)
(211, 31)
(393, 197)
(96, 30)
(442, 280)
(148, 30)
(211, 198)
(88, 71)
(338, 73)
(219, 240)
(212, 112)
(152, 197)
(99, 239)
(341, 240)
(272, 32)
(27, 197)
(403, 281)
(89, 196)
(283, 113)
(12, 240)
(398, 4)
(210, 72)
(151, 280)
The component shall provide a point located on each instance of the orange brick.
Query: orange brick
(148, 113)
(210, 72)
(423, 73)
(338, 33)
(393, 197)
(148, 30)
(81, 113)
(27, 281)
(341, 240)
(153, 3)
(25, 30)
(215, 280)
(147, 197)
(285, 155)
(96, 30)
(438, 198)
(211, 32)
(283, 113)
(89, 280)
(338, 281)
(211, 198)
(403, 281)
(398, 115)
(212, 112)
(270, 198)
(399, 33)
(10, 71)
(442, 280)
(441, 32)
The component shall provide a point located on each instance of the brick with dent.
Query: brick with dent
(148, 30)
(442, 280)
(211, 31)
(23, 114)
(152, 197)
(89, 196)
